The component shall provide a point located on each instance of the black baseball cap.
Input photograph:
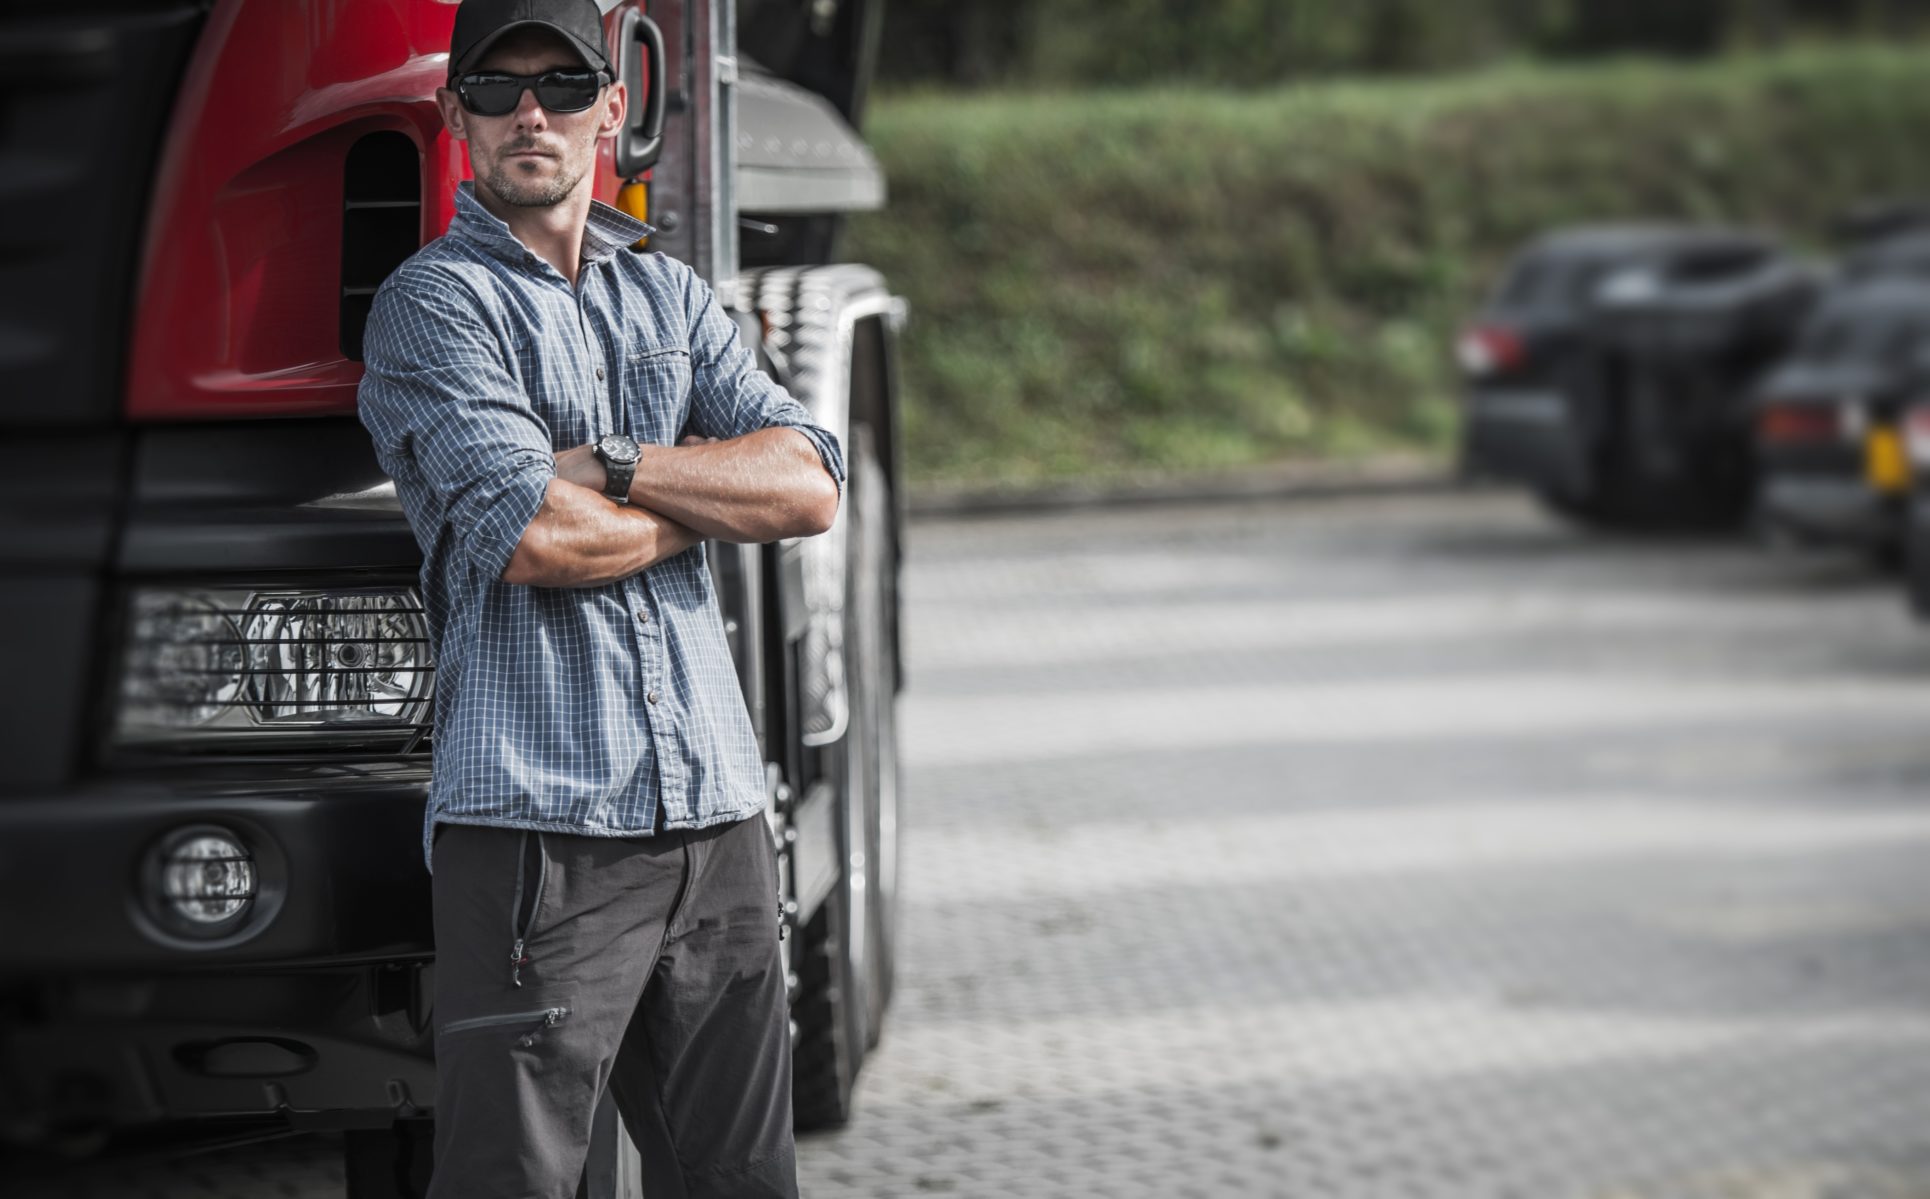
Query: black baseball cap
(481, 23)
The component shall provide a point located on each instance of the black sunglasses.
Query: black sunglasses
(494, 94)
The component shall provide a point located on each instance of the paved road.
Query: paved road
(1402, 848)
(1389, 849)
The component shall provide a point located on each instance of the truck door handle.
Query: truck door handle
(640, 143)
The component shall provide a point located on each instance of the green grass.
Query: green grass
(1119, 282)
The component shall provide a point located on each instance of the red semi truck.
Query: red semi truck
(216, 918)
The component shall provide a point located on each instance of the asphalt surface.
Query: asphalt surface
(1413, 847)
(1387, 848)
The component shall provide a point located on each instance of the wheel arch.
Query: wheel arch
(817, 322)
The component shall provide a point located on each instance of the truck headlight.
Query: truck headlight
(228, 665)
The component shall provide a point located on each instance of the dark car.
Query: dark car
(1875, 221)
(1829, 448)
(1900, 248)
(1899, 256)
(1915, 426)
(1611, 370)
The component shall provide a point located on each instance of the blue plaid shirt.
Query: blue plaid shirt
(579, 710)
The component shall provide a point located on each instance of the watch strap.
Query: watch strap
(617, 477)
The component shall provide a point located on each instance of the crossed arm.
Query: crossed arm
(761, 486)
(453, 426)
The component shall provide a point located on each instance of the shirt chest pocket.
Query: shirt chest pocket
(656, 389)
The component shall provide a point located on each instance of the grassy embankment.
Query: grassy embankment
(1105, 284)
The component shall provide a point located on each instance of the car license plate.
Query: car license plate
(1885, 466)
(1522, 407)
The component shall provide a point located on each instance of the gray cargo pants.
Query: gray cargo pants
(651, 965)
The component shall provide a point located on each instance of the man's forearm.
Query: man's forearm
(578, 538)
(756, 488)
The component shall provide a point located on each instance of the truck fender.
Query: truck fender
(809, 316)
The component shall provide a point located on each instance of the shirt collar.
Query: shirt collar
(604, 233)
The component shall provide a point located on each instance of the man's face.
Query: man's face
(533, 158)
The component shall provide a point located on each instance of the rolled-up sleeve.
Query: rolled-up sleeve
(450, 421)
(730, 396)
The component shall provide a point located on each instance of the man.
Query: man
(566, 422)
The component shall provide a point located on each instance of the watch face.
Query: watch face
(619, 448)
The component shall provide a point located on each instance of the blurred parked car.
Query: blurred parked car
(1914, 423)
(1611, 370)
(1880, 220)
(1903, 255)
(1830, 451)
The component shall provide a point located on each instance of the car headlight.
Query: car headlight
(233, 666)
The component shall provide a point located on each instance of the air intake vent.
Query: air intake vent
(381, 224)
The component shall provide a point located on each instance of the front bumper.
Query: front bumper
(339, 847)
(1838, 509)
(328, 1048)
(318, 1012)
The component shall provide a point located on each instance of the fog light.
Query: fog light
(206, 881)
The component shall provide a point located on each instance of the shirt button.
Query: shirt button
(643, 616)
(599, 372)
(653, 697)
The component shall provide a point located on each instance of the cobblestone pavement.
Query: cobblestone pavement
(1402, 848)
(1386, 849)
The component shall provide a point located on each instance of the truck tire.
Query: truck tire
(825, 1060)
(876, 604)
(838, 979)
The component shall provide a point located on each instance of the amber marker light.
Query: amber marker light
(633, 199)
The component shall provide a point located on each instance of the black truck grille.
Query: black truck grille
(85, 92)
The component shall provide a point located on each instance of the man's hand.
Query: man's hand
(578, 538)
(755, 488)
(580, 465)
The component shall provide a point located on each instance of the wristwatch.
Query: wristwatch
(618, 452)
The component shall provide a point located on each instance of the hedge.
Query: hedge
(1117, 282)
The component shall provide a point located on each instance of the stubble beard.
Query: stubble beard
(523, 192)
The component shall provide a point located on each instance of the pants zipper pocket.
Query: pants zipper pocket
(521, 926)
(537, 1020)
